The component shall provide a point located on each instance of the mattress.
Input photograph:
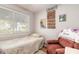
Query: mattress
(22, 45)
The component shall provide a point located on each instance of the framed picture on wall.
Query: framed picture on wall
(62, 18)
(43, 23)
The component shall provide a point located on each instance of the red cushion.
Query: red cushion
(51, 48)
(76, 45)
(51, 51)
(66, 42)
(60, 51)
(52, 41)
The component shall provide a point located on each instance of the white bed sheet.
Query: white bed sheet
(22, 45)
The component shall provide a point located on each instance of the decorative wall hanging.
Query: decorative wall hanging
(51, 19)
(43, 23)
(51, 22)
(62, 18)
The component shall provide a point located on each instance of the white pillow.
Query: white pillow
(35, 35)
(69, 50)
(67, 33)
(77, 40)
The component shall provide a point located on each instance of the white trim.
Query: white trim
(9, 9)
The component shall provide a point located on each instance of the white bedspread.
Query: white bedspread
(22, 45)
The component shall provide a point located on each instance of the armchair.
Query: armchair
(58, 46)
(53, 47)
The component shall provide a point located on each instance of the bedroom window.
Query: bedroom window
(21, 27)
(13, 22)
(4, 26)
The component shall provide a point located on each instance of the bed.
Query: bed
(25, 45)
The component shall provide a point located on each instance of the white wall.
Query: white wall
(72, 20)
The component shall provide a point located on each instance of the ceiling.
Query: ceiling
(35, 7)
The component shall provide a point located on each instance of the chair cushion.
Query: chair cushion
(65, 42)
(52, 41)
(76, 45)
(60, 51)
(51, 48)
